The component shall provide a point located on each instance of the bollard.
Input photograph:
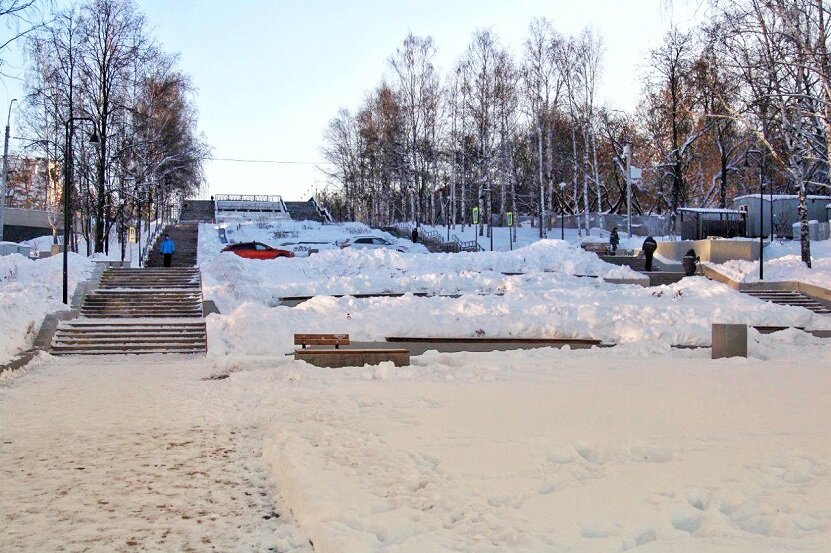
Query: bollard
(729, 340)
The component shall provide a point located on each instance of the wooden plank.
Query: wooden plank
(335, 358)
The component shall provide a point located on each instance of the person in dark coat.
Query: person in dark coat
(614, 240)
(690, 261)
(168, 249)
(649, 247)
(414, 235)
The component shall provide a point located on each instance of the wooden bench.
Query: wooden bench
(335, 358)
(336, 340)
(596, 247)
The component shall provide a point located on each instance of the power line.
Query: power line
(274, 161)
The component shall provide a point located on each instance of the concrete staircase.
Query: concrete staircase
(197, 211)
(304, 211)
(790, 297)
(138, 311)
(186, 237)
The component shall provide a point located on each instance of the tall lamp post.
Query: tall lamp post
(562, 210)
(69, 129)
(761, 207)
(5, 170)
(488, 193)
(627, 152)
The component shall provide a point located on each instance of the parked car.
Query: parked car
(256, 250)
(306, 248)
(370, 242)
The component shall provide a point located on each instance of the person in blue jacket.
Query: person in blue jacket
(168, 249)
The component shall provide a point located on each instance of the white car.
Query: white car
(371, 242)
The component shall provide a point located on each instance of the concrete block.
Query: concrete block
(729, 340)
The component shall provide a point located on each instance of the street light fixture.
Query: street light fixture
(5, 170)
(69, 130)
(761, 207)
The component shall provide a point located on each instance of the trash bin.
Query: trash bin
(689, 262)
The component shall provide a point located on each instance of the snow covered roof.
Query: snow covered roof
(708, 210)
(782, 197)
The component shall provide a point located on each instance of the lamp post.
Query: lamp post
(5, 170)
(487, 192)
(627, 152)
(761, 207)
(562, 211)
(69, 129)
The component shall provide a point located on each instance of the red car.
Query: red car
(256, 250)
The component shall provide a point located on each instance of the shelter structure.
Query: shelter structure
(697, 223)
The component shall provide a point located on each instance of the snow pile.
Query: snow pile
(783, 262)
(533, 306)
(29, 290)
(231, 280)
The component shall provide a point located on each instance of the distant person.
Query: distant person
(168, 249)
(649, 247)
(690, 262)
(414, 235)
(614, 240)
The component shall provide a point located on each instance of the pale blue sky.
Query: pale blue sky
(271, 74)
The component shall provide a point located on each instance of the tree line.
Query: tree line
(94, 69)
(741, 100)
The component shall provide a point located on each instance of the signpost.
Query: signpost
(475, 217)
(510, 215)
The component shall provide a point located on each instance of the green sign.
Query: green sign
(510, 218)
(475, 215)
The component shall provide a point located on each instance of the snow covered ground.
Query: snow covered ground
(551, 450)
(639, 447)
(135, 454)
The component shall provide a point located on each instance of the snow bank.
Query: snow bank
(783, 262)
(29, 290)
(231, 280)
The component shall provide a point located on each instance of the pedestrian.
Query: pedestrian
(414, 235)
(649, 247)
(614, 240)
(690, 262)
(168, 249)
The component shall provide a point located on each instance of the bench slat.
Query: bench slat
(321, 340)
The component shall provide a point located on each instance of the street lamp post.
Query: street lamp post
(761, 207)
(487, 192)
(627, 152)
(69, 129)
(562, 211)
(5, 170)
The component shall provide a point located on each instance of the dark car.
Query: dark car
(256, 250)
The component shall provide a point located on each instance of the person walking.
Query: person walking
(414, 235)
(168, 249)
(649, 247)
(614, 240)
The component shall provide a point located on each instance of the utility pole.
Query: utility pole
(5, 171)
(627, 151)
